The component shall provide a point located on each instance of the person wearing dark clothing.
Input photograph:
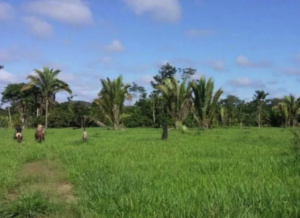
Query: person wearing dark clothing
(18, 131)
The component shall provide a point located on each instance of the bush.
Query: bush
(37, 120)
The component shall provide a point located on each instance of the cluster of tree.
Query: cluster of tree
(184, 101)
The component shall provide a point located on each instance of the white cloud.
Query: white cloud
(161, 63)
(166, 10)
(74, 12)
(182, 61)
(298, 58)
(39, 27)
(199, 33)
(145, 80)
(6, 11)
(246, 82)
(114, 46)
(243, 61)
(56, 66)
(16, 54)
(106, 60)
(66, 77)
(7, 55)
(291, 71)
(6, 77)
(196, 76)
(277, 92)
(273, 82)
(85, 92)
(218, 65)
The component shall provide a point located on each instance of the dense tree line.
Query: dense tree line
(178, 102)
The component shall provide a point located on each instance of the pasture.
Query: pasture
(133, 173)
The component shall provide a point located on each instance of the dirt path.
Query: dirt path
(47, 178)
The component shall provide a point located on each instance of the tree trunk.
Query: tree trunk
(23, 120)
(9, 117)
(116, 118)
(294, 122)
(193, 121)
(46, 119)
(165, 131)
(259, 116)
(153, 112)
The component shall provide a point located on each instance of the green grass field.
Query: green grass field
(132, 173)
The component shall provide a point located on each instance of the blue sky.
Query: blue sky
(244, 45)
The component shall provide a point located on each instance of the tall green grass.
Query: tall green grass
(132, 173)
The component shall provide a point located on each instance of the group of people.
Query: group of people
(39, 129)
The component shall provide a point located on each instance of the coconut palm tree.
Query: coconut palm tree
(155, 99)
(290, 109)
(223, 115)
(178, 99)
(111, 99)
(205, 101)
(259, 98)
(48, 83)
(280, 112)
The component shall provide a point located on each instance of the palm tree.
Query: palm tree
(278, 115)
(1, 67)
(48, 83)
(259, 98)
(205, 102)
(290, 108)
(154, 98)
(178, 99)
(111, 99)
(223, 115)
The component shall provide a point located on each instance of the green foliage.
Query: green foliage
(231, 111)
(295, 143)
(16, 120)
(138, 116)
(59, 118)
(260, 99)
(193, 104)
(136, 90)
(239, 173)
(177, 97)
(187, 73)
(205, 101)
(4, 121)
(48, 84)
(38, 120)
(166, 71)
(28, 205)
(111, 99)
(22, 103)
